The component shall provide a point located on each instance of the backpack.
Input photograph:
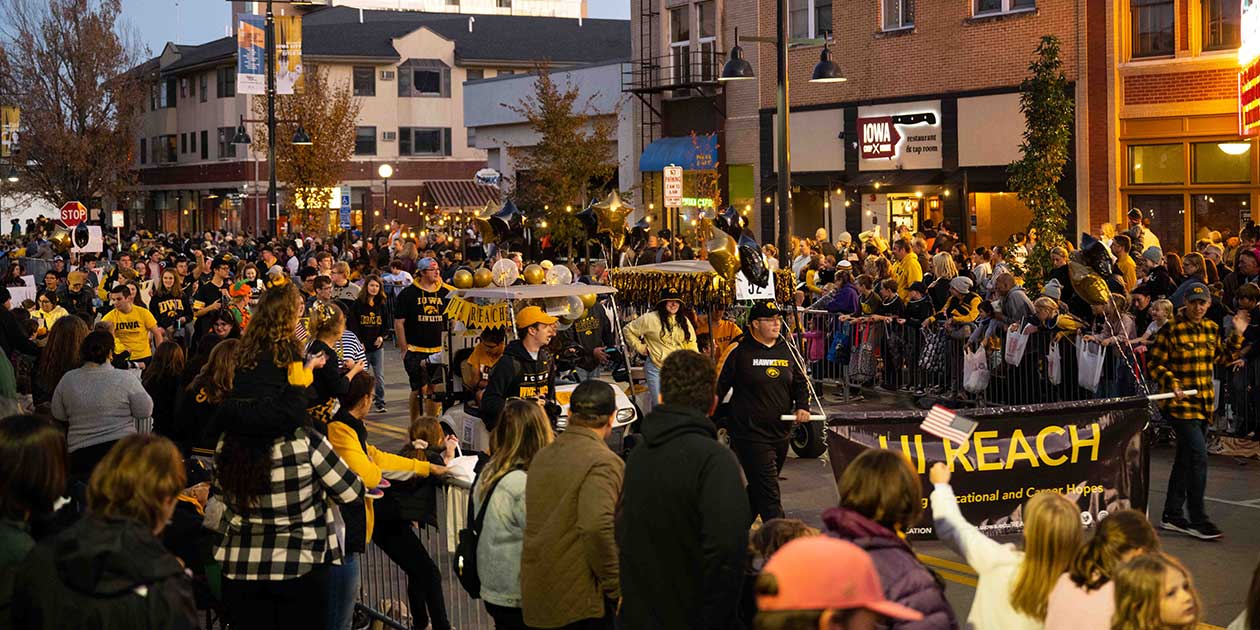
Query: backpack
(465, 559)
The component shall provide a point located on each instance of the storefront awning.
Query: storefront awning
(458, 193)
(698, 154)
(895, 179)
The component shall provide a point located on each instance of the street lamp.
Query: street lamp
(825, 71)
(12, 176)
(385, 171)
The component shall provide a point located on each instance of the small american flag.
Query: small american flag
(946, 424)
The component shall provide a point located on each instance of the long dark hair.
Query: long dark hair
(61, 353)
(364, 298)
(681, 318)
(168, 363)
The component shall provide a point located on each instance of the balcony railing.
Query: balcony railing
(683, 68)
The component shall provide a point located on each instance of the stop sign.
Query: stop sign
(73, 213)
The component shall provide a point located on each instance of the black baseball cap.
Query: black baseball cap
(764, 310)
(593, 398)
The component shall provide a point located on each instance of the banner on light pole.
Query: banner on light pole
(288, 54)
(251, 56)
(10, 120)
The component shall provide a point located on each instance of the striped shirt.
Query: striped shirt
(291, 529)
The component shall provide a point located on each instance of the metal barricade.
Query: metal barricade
(383, 585)
(1238, 407)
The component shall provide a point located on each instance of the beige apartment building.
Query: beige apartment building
(407, 68)
(542, 8)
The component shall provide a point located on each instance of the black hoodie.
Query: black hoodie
(682, 530)
(517, 375)
(104, 574)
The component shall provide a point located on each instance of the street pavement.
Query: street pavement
(1222, 569)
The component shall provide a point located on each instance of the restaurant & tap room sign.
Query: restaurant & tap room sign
(899, 136)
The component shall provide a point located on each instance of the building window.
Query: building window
(226, 148)
(183, 143)
(680, 44)
(1222, 162)
(192, 142)
(153, 97)
(204, 83)
(452, 3)
(144, 151)
(424, 78)
(172, 87)
(472, 137)
(990, 7)
(706, 20)
(169, 149)
(474, 74)
(183, 87)
(822, 18)
(1221, 24)
(1153, 22)
(192, 85)
(1219, 213)
(505, 73)
(365, 140)
(504, 4)
(1168, 218)
(798, 19)
(205, 140)
(225, 82)
(424, 141)
(1157, 164)
(898, 14)
(155, 155)
(364, 81)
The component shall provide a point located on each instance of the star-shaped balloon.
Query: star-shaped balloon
(610, 216)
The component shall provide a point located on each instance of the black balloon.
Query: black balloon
(1093, 254)
(731, 221)
(751, 261)
(590, 223)
(638, 234)
(505, 227)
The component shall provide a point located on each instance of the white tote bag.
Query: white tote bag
(1089, 363)
(1054, 364)
(975, 370)
(1016, 343)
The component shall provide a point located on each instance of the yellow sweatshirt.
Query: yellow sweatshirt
(645, 335)
(373, 465)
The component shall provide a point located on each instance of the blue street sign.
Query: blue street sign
(345, 211)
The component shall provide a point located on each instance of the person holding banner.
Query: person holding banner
(1182, 359)
(765, 383)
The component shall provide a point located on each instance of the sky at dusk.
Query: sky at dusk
(200, 21)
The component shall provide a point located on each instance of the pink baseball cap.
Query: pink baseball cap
(821, 573)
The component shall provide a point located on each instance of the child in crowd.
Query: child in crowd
(1161, 313)
(1014, 586)
(326, 324)
(918, 305)
(762, 543)
(1154, 591)
(880, 499)
(1084, 597)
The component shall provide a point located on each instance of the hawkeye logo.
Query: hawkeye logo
(772, 372)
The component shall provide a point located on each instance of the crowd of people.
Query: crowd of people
(187, 430)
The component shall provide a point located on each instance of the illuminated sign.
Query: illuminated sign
(697, 202)
(1249, 73)
(899, 136)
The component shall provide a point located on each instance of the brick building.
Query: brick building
(932, 85)
(1174, 104)
(406, 68)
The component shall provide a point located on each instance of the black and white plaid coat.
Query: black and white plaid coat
(291, 529)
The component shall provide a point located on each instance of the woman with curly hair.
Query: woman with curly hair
(276, 476)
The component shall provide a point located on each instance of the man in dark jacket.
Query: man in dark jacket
(765, 383)
(526, 369)
(682, 531)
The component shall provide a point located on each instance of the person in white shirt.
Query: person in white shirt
(1014, 586)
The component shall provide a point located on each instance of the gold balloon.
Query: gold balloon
(534, 274)
(723, 255)
(483, 277)
(546, 264)
(1088, 284)
(588, 300)
(463, 279)
(610, 218)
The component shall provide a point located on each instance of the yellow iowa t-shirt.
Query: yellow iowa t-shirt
(131, 331)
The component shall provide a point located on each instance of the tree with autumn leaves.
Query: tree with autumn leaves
(574, 159)
(328, 111)
(75, 75)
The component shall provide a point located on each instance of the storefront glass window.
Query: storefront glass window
(1218, 212)
(1167, 215)
(1222, 162)
(1157, 164)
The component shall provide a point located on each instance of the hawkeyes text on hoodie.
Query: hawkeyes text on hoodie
(765, 383)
